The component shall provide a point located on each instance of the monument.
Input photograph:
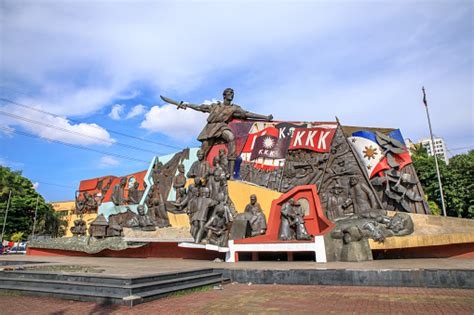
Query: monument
(255, 184)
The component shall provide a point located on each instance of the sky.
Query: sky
(94, 70)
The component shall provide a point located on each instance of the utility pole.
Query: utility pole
(34, 221)
(434, 153)
(6, 214)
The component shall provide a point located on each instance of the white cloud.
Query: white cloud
(36, 185)
(57, 128)
(319, 54)
(178, 124)
(116, 111)
(137, 110)
(7, 131)
(107, 161)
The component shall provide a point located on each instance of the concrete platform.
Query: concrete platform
(440, 273)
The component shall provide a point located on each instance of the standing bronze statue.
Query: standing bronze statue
(118, 193)
(258, 222)
(217, 129)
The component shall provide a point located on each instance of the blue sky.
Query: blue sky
(101, 66)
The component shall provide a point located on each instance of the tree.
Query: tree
(22, 206)
(457, 179)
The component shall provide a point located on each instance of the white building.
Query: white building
(439, 148)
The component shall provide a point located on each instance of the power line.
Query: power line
(461, 148)
(75, 132)
(77, 122)
(51, 184)
(75, 145)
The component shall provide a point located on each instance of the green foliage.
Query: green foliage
(457, 179)
(22, 206)
(17, 236)
(434, 207)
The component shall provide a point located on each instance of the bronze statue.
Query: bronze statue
(79, 228)
(224, 162)
(118, 192)
(200, 217)
(179, 181)
(218, 174)
(286, 233)
(200, 168)
(257, 220)
(217, 128)
(361, 197)
(292, 222)
(142, 220)
(217, 226)
(134, 195)
(298, 222)
(335, 203)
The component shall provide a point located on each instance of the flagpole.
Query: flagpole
(434, 153)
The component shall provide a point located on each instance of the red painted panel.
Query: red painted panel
(163, 250)
(316, 222)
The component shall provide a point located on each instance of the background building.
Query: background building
(439, 148)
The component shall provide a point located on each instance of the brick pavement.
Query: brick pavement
(268, 299)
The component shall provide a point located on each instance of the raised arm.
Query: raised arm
(201, 108)
(243, 114)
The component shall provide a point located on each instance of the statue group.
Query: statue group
(349, 198)
(207, 203)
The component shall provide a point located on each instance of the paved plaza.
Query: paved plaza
(267, 299)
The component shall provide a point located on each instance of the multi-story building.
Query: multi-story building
(439, 149)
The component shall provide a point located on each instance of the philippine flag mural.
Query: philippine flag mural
(380, 152)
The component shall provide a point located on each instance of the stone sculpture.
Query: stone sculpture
(200, 169)
(118, 196)
(257, 220)
(179, 181)
(79, 228)
(141, 220)
(350, 236)
(217, 129)
(292, 222)
(134, 194)
(200, 217)
(98, 228)
(217, 227)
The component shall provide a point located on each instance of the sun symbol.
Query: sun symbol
(370, 152)
(268, 143)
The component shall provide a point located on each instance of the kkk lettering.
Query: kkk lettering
(287, 129)
(315, 139)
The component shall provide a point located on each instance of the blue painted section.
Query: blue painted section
(108, 208)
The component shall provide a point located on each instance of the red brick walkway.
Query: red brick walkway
(271, 299)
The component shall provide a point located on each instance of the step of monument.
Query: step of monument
(155, 294)
(170, 275)
(113, 280)
(148, 288)
(66, 294)
(155, 285)
(100, 279)
(107, 288)
(77, 287)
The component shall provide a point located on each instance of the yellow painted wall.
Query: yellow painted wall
(70, 206)
(88, 217)
(240, 194)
